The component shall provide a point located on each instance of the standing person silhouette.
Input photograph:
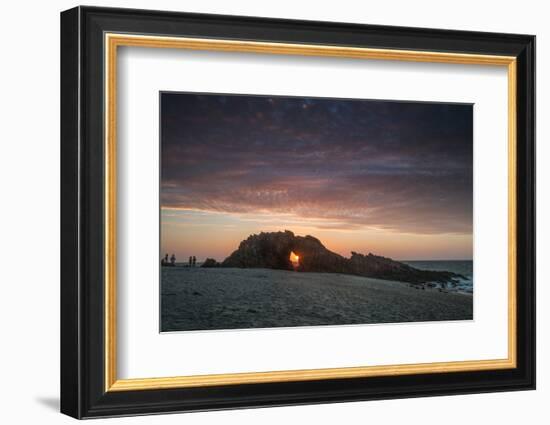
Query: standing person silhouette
(194, 260)
(190, 261)
(173, 260)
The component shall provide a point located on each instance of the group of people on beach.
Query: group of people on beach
(165, 261)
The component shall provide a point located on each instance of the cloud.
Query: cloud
(342, 164)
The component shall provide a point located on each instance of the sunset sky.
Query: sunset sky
(391, 178)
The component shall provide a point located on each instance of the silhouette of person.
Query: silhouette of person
(173, 260)
(194, 260)
(190, 261)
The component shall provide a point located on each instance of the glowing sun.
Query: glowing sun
(294, 259)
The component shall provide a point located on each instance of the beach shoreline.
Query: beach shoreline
(234, 298)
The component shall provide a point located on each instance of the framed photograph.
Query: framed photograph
(261, 212)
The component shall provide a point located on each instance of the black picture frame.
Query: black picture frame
(83, 392)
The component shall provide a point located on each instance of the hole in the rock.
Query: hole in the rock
(294, 259)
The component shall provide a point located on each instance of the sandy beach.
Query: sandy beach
(233, 298)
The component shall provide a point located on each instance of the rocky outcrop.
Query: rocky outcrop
(210, 262)
(266, 250)
(385, 268)
(272, 250)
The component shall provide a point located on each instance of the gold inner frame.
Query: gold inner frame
(113, 41)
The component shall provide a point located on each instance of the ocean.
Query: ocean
(463, 267)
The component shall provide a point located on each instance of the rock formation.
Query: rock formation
(272, 250)
(210, 262)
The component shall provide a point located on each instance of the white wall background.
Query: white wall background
(29, 217)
